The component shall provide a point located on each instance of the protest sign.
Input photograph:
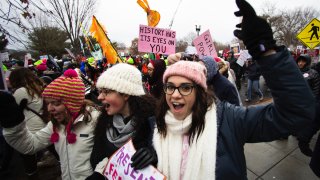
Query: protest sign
(119, 167)
(4, 56)
(244, 55)
(3, 84)
(235, 48)
(156, 40)
(26, 60)
(204, 45)
(44, 57)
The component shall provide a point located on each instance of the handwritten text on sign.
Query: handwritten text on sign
(156, 40)
(119, 168)
(204, 45)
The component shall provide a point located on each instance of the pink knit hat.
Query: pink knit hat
(194, 71)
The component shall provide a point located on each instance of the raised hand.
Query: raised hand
(255, 32)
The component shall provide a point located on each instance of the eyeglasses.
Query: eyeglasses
(184, 89)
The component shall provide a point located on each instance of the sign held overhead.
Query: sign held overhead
(156, 40)
(204, 45)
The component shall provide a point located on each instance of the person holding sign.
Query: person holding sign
(127, 113)
(198, 137)
(70, 130)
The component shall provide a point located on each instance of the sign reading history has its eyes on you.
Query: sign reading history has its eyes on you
(156, 40)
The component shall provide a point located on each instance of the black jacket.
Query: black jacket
(310, 75)
(253, 71)
(291, 111)
(104, 148)
(224, 89)
(143, 109)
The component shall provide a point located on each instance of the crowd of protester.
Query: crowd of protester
(183, 112)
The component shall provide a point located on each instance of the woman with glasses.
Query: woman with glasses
(127, 113)
(199, 137)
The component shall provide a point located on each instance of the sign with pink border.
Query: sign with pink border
(156, 40)
(204, 45)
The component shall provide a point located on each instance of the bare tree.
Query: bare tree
(220, 46)
(181, 45)
(13, 16)
(286, 24)
(119, 46)
(67, 15)
(134, 47)
(189, 38)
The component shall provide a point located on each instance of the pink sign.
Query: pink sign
(204, 45)
(119, 166)
(156, 40)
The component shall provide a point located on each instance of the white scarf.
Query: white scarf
(201, 158)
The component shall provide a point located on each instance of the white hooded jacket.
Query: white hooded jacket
(74, 158)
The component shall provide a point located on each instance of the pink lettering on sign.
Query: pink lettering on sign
(204, 45)
(156, 40)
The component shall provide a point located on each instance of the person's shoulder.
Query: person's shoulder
(20, 91)
(94, 112)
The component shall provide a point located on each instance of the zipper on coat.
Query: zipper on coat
(68, 160)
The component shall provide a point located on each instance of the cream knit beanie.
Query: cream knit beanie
(123, 78)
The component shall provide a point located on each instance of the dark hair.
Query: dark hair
(203, 102)
(23, 77)
(155, 80)
(141, 108)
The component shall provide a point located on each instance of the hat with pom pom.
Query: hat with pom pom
(71, 91)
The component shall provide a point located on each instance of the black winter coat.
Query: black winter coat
(253, 71)
(104, 148)
(291, 111)
(224, 89)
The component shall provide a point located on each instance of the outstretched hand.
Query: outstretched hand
(11, 112)
(255, 32)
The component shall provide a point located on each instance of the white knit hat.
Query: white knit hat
(123, 78)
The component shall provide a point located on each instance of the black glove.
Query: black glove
(96, 176)
(305, 148)
(144, 157)
(255, 32)
(11, 112)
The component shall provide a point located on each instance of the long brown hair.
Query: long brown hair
(23, 77)
(203, 102)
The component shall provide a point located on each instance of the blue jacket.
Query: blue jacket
(292, 109)
(224, 89)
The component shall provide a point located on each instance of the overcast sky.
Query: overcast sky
(121, 18)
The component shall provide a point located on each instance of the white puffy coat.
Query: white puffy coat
(34, 122)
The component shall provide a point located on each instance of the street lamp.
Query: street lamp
(198, 29)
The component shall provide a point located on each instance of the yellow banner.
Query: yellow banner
(152, 15)
(100, 35)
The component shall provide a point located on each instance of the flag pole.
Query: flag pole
(108, 39)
